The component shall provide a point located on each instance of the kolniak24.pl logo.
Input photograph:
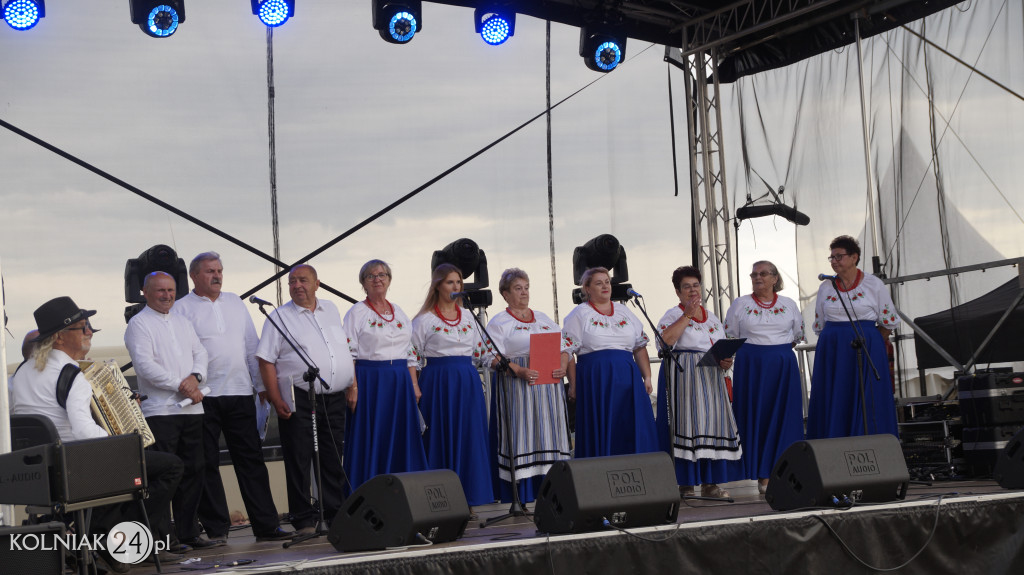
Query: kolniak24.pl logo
(128, 542)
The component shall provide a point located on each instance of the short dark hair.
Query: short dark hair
(685, 272)
(847, 243)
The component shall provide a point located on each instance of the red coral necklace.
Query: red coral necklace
(601, 312)
(458, 316)
(390, 307)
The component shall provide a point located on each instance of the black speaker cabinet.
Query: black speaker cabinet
(32, 549)
(578, 495)
(827, 472)
(392, 510)
(92, 469)
(1009, 471)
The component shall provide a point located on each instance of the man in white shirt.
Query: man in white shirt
(170, 364)
(64, 338)
(314, 325)
(226, 330)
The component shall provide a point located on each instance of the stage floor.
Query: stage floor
(710, 536)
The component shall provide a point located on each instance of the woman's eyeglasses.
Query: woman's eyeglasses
(755, 275)
(836, 257)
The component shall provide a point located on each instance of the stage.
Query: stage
(961, 527)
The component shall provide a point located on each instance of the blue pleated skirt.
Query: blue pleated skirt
(383, 434)
(835, 406)
(767, 405)
(613, 410)
(456, 436)
(702, 437)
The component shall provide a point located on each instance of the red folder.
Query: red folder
(545, 355)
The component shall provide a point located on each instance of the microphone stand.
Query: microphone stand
(858, 343)
(311, 375)
(517, 508)
(665, 351)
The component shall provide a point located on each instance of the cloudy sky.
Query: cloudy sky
(359, 123)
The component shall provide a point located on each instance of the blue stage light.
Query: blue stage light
(397, 21)
(495, 30)
(602, 49)
(495, 23)
(608, 55)
(402, 27)
(274, 12)
(23, 14)
(158, 18)
(162, 21)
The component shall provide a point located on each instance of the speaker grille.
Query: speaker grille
(103, 467)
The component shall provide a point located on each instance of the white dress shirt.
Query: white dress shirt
(35, 392)
(320, 336)
(165, 350)
(225, 328)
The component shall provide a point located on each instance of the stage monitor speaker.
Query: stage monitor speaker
(1009, 470)
(838, 471)
(580, 495)
(92, 469)
(401, 509)
(32, 549)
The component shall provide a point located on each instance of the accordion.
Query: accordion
(112, 405)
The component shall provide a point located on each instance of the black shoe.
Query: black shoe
(179, 548)
(276, 535)
(165, 558)
(204, 543)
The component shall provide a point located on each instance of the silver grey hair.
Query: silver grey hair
(203, 257)
(779, 285)
(510, 275)
(369, 266)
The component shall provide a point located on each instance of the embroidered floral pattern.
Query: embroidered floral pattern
(597, 323)
(888, 317)
(568, 341)
(856, 296)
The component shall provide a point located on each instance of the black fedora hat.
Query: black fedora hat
(57, 314)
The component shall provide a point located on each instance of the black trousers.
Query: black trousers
(182, 435)
(235, 417)
(297, 447)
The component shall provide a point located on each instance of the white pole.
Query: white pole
(6, 511)
(875, 247)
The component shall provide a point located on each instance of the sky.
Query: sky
(359, 123)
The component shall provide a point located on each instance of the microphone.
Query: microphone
(458, 294)
(823, 277)
(633, 293)
(258, 301)
(786, 212)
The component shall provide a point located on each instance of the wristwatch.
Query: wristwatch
(198, 376)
